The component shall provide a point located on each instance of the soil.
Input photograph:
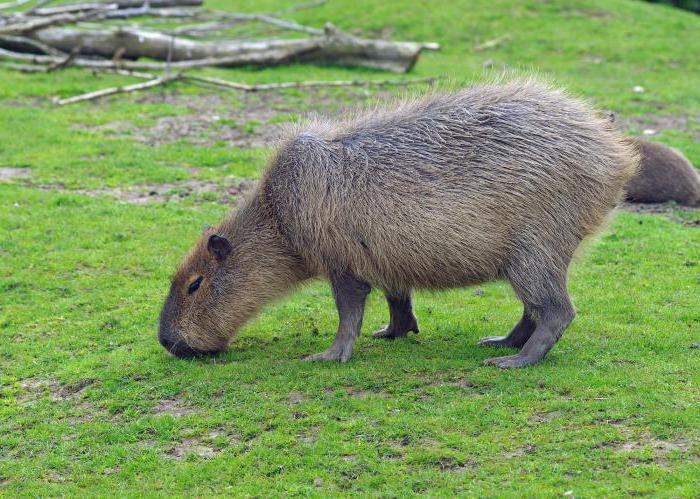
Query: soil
(247, 120)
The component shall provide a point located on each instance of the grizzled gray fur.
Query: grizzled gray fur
(497, 181)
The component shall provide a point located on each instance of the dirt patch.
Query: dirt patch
(242, 120)
(652, 125)
(544, 417)
(175, 407)
(224, 193)
(295, 398)
(670, 210)
(361, 394)
(310, 435)
(68, 391)
(192, 446)
(7, 173)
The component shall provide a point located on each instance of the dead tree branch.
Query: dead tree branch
(164, 80)
(333, 47)
(304, 84)
(243, 87)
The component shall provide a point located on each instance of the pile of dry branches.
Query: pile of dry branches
(45, 38)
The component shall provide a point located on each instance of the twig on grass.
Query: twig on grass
(162, 80)
(304, 84)
(243, 87)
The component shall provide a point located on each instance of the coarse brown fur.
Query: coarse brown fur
(498, 181)
(664, 175)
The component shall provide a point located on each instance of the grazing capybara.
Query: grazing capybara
(498, 181)
(664, 175)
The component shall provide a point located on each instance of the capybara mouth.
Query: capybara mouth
(182, 350)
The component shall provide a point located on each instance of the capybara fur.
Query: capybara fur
(498, 181)
(664, 175)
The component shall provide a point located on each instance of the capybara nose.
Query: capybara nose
(178, 348)
(174, 344)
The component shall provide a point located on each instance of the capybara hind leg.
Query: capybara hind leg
(541, 284)
(401, 318)
(350, 294)
(517, 337)
(551, 319)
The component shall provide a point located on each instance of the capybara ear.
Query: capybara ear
(219, 246)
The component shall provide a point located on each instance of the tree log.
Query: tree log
(333, 47)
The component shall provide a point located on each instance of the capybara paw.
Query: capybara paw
(496, 341)
(389, 333)
(511, 361)
(336, 354)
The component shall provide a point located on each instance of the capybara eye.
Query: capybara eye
(195, 285)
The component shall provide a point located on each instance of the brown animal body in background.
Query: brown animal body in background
(664, 175)
(498, 181)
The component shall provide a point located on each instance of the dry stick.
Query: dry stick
(230, 20)
(67, 61)
(132, 65)
(33, 24)
(25, 68)
(161, 80)
(489, 44)
(301, 6)
(38, 6)
(16, 3)
(118, 4)
(304, 84)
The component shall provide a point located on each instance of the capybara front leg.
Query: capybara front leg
(551, 320)
(517, 337)
(401, 318)
(350, 294)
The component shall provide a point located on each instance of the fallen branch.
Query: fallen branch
(65, 62)
(230, 20)
(164, 80)
(37, 23)
(304, 84)
(332, 47)
(490, 44)
(243, 87)
(117, 5)
(11, 5)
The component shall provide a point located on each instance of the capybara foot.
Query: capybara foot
(333, 353)
(391, 333)
(498, 341)
(518, 360)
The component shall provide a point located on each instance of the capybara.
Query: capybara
(664, 175)
(498, 181)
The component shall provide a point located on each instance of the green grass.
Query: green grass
(90, 404)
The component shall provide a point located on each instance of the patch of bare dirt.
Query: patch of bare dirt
(670, 210)
(544, 417)
(68, 391)
(141, 194)
(309, 435)
(175, 407)
(295, 398)
(192, 446)
(243, 120)
(361, 394)
(7, 173)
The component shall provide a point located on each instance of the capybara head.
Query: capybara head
(229, 275)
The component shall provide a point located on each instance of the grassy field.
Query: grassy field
(90, 403)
